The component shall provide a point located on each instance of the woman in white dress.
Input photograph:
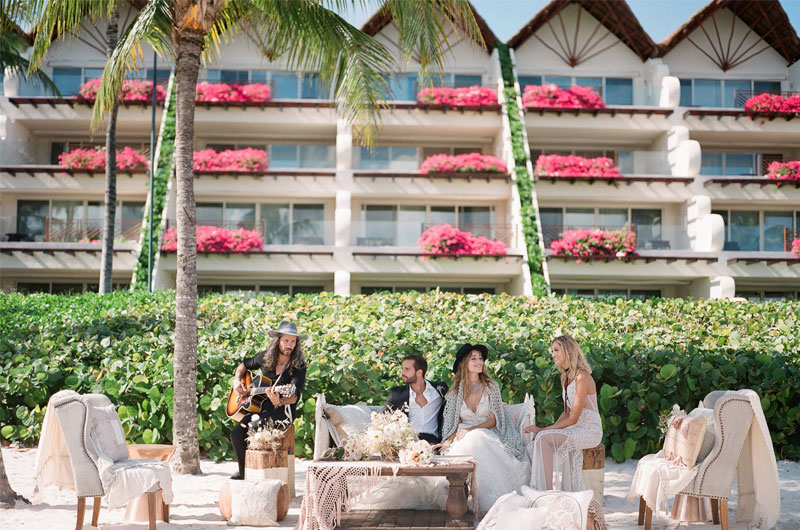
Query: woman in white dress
(558, 449)
(475, 424)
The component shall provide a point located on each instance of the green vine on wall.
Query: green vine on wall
(163, 170)
(524, 180)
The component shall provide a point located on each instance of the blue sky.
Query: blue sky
(659, 18)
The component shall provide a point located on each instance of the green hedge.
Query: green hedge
(161, 177)
(523, 178)
(646, 355)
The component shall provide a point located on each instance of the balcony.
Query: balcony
(638, 100)
(766, 110)
(34, 229)
(633, 166)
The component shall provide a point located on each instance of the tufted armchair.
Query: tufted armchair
(90, 429)
(732, 416)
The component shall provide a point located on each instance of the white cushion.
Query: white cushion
(254, 503)
(108, 434)
(565, 509)
(710, 436)
(517, 518)
(347, 419)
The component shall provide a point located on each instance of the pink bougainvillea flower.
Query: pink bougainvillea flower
(551, 96)
(447, 239)
(95, 159)
(216, 239)
(796, 247)
(773, 103)
(575, 166)
(249, 159)
(594, 242)
(234, 93)
(474, 96)
(471, 162)
(784, 170)
(132, 90)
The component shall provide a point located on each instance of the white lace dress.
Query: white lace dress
(497, 470)
(565, 447)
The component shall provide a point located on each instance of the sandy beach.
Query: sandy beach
(195, 505)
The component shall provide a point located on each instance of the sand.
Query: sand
(195, 505)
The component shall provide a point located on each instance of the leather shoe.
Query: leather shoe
(237, 476)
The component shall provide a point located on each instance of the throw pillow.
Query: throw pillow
(254, 503)
(684, 439)
(710, 436)
(348, 419)
(107, 433)
(519, 518)
(567, 510)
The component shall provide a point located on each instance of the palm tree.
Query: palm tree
(63, 18)
(13, 41)
(7, 495)
(309, 36)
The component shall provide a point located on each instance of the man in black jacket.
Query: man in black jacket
(425, 399)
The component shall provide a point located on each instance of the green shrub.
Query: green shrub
(647, 355)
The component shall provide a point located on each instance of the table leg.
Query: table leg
(456, 504)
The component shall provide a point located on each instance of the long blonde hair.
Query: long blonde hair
(463, 375)
(577, 360)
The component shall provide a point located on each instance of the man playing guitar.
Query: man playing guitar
(283, 364)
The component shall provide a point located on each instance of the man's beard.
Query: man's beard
(409, 380)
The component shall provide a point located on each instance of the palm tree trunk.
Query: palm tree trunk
(7, 495)
(106, 267)
(189, 48)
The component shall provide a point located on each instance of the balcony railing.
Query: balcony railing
(304, 232)
(406, 234)
(741, 96)
(56, 230)
(648, 236)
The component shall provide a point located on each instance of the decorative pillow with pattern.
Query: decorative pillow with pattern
(684, 439)
(108, 434)
(711, 435)
(566, 510)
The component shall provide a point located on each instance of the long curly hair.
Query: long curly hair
(462, 374)
(296, 360)
(577, 360)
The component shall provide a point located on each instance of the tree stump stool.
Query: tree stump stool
(260, 465)
(594, 468)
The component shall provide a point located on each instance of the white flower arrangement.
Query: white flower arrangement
(386, 435)
(417, 453)
(267, 437)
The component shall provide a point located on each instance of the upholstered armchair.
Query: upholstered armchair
(729, 416)
(83, 433)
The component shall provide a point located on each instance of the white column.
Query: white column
(341, 283)
(10, 84)
(722, 287)
(344, 153)
(706, 231)
(683, 154)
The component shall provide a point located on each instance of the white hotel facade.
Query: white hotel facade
(341, 218)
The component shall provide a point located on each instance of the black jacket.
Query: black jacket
(398, 396)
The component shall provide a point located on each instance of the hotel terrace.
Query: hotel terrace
(689, 160)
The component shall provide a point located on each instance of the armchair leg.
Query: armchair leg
(164, 511)
(81, 512)
(641, 511)
(715, 511)
(151, 510)
(648, 518)
(96, 511)
(723, 513)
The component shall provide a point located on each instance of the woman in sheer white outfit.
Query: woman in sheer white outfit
(475, 424)
(558, 449)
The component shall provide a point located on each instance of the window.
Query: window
(411, 224)
(465, 80)
(640, 294)
(240, 215)
(68, 80)
(741, 229)
(402, 225)
(209, 213)
(647, 222)
(283, 85)
(613, 90)
(765, 295)
(31, 217)
(393, 158)
(730, 164)
(579, 218)
(403, 87)
(613, 217)
(525, 80)
(723, 93)
(366, 290)
(295, 224)
(619, 91)
(229, 76)
(302, 156)
(778, 234)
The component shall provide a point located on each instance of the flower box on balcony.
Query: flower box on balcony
(551, 96)
(213, 92)
(239, 160)
(133, 90)
(784, 170)
(773, 103)
(594, 242)
(474, 96)
(796, 247)
(215, 239)
(575, 166)
(94, 159)
(471, 162)
(449, 240)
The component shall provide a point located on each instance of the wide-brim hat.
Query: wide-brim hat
(286, 328)
(464, 350)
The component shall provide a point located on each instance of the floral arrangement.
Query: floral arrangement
(472, 162)
(796, 247)
(95, 159)
(211, 92)
(385, 435)
(784, 170)
(587, 243)
(773, 103)
(474, 96)
(446, 239)
(132, 90)
(215, 239)
(417, 453)
(551, 96)
(575, 166)
(248, 159)
(268, 437)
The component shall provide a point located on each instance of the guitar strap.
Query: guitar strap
(287, 409)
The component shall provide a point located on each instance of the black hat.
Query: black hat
(286, 328)
(464, 350)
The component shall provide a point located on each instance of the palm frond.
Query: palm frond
(152, 24)
(60, 19)
(12, 61)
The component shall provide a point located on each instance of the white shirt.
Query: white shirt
(424, 419)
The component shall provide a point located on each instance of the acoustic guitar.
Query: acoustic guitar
(256, 387)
